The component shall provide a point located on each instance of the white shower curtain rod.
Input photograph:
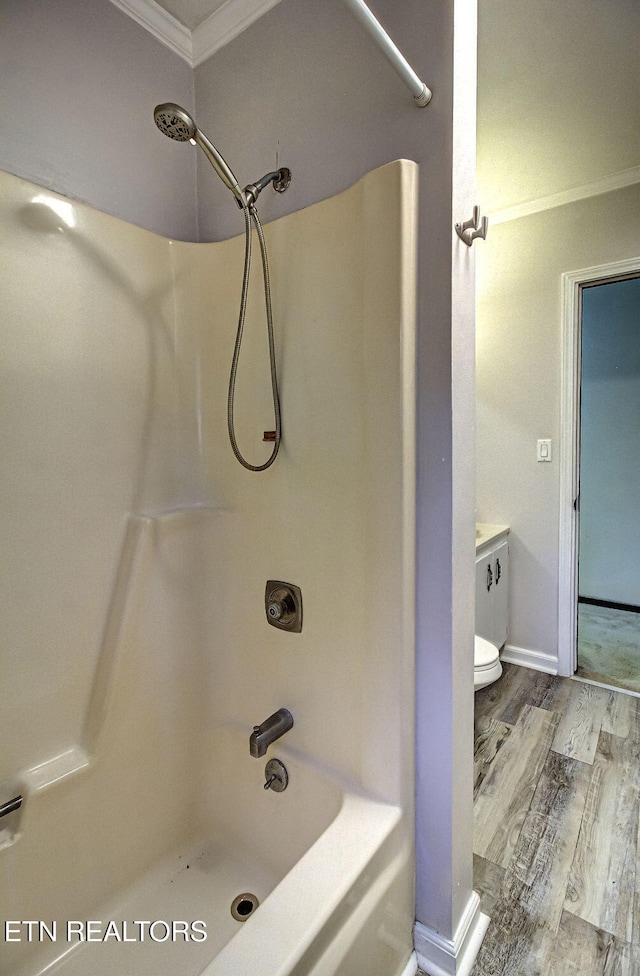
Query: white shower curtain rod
(421, 94)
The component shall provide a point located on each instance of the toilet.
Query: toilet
(487, 667)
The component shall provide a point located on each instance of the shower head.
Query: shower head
(174, 122)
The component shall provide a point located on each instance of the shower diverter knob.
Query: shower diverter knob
(283, 604)
(279, 610)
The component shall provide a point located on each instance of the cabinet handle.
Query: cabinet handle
(489, 578)
(498, 571)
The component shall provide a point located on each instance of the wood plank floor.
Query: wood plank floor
(557, 807)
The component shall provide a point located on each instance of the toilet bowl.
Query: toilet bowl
(487, 667)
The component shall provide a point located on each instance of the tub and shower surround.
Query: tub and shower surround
(137, 653)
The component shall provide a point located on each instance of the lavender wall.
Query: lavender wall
(305, 87)
(79, 82)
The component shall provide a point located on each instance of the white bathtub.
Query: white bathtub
(327, 865)
(340, 907)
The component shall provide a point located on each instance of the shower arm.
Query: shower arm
(280, 179)
(421, 94)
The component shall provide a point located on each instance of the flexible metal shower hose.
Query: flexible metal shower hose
(251, 214)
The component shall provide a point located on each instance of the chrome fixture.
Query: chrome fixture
(176, 123)
(243, 906)
(276, 777)
(280, 179)
(10, 806)
(283, 605)
(473, 228)
(271, 729)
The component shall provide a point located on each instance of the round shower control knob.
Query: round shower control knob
(283, 605)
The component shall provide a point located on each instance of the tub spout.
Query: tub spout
(270, 730)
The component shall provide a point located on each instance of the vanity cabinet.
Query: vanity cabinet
(492, 584)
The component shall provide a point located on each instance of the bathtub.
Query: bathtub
(327, 865)
(338, 908)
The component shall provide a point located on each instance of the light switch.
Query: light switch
(544, 449)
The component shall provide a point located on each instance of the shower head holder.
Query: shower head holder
(280, 179)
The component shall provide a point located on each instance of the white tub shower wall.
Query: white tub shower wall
(137, 548)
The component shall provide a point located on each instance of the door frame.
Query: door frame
(569, 513)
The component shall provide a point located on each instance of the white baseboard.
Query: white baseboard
(439, 956)
(536, 660)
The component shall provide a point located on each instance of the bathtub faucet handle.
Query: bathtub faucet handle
(277, 777)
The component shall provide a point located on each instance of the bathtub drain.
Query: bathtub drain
(243, 906)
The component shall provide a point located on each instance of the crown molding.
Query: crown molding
(220, 27)
(164, 27)
(616, 181)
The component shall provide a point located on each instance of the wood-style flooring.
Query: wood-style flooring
(557, 804)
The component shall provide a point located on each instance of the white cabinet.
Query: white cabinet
(492, 586)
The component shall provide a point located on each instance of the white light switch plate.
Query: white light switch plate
(544, 449)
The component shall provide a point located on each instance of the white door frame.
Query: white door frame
(572, 283)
